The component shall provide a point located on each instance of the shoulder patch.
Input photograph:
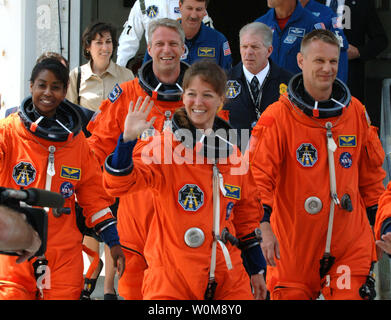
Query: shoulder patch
(233, 89)
(152, 11)
(115, 94)
(283, 88)
(226, 48)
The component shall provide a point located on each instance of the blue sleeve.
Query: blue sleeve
(110, 235)
(253, 260)
(122, 156)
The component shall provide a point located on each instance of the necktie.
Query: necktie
(254, 85)
(334, 5)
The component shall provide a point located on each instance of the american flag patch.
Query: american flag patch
(226, 48)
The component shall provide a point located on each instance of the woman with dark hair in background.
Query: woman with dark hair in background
(100, 74)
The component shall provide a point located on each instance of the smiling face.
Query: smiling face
(166, 48)
(319, 63)
(192, 13)
(201, 103)
(101, 48)
(47, 93)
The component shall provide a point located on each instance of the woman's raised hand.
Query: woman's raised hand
(136, 120)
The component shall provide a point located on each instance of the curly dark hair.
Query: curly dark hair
(53, 65)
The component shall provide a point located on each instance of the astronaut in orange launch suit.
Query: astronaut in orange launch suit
(318, 164)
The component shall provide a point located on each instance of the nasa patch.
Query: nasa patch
(115, 94)
(307, 155)
(24, 174)
(233, 89)
(346, 160)
(191, 197)
(152, 11)
(67, 190)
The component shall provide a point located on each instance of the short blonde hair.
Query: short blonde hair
(168, 23)
(319, 34)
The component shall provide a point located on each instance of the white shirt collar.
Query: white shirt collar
(260, 75)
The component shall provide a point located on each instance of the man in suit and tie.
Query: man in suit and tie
(255, 82)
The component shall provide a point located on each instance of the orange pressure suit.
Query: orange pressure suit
(289, 158)
(24, 163)
(184, 201)
(135, 210)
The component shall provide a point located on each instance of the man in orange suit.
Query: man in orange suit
(318, 163)
(159, 78)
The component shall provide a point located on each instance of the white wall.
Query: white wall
(27, 29)
(11, 52)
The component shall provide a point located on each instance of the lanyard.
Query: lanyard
(257, 100)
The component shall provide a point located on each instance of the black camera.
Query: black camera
(20, 200)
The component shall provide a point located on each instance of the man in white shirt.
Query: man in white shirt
(141, 14)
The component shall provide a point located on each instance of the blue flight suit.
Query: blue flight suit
(329, 18)
(208, 43)
(286, 43)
